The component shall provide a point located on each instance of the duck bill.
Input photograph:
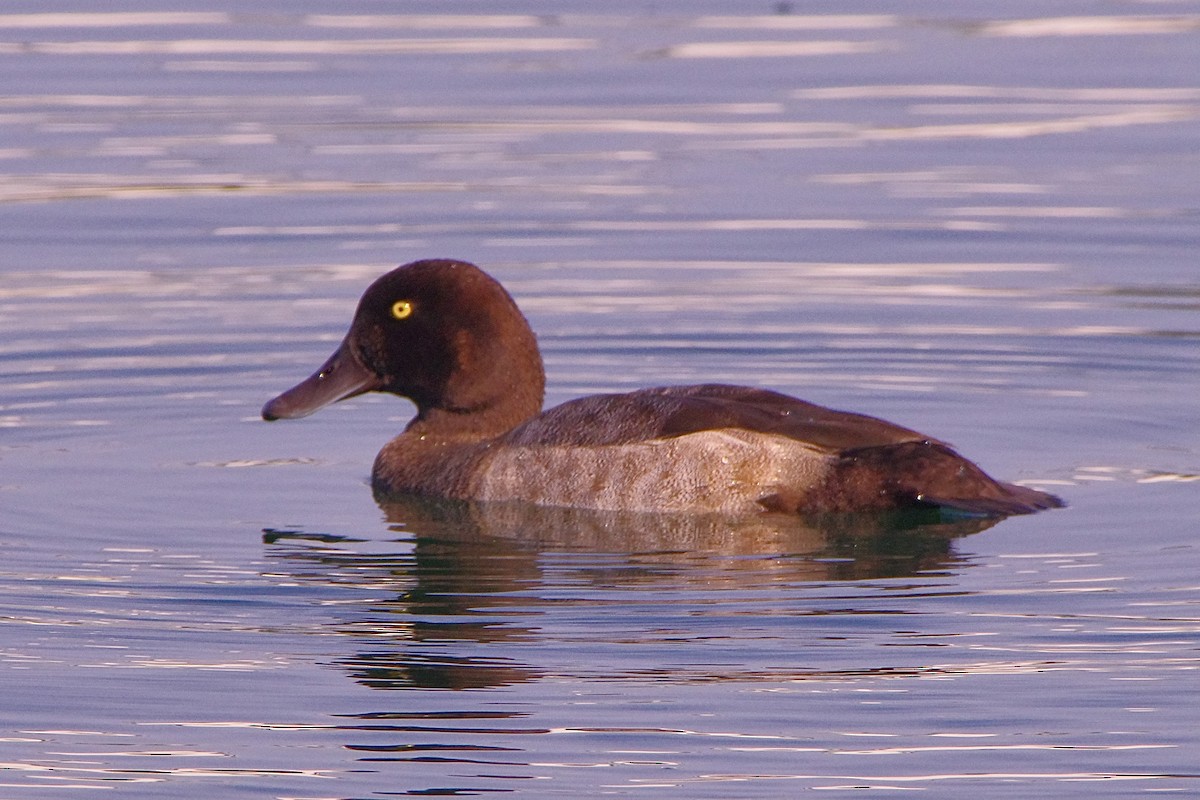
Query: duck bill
(339, 378)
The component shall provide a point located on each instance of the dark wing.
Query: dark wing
(672, 411)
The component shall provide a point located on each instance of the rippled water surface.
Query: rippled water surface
(979, 222)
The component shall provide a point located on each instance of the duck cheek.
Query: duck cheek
(341, 377)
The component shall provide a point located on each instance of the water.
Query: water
(981, 223)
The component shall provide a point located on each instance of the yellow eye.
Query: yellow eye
(402, 309)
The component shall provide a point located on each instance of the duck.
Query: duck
(447, 336)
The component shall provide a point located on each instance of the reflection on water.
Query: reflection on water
(468, 574)
(800, 650)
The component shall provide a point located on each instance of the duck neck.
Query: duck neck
(473, 425)
(488, 408)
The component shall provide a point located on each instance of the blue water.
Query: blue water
(977, 222)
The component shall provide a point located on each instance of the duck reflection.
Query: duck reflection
(475, 573)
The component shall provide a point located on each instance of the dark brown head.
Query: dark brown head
(445, 335)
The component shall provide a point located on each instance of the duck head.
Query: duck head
(443, 334)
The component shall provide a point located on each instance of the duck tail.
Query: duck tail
(927, 473)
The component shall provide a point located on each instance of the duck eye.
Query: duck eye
(402, 309)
